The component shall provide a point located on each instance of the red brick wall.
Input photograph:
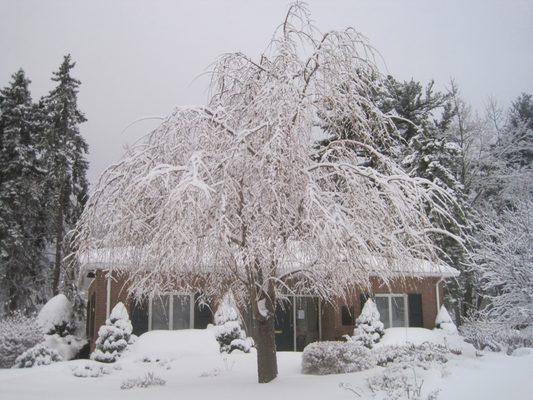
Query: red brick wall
(118, 293)
(333, 329)
(331, 321)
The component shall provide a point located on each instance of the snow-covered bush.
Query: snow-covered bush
(143, 382)
(58, 324)
(228, 327)
(368, 327)
(487, 335)
(323, 358)
(57, 317)
(67, 346)
(114, 336)
(90, 370)
(18, 333)
(444, 321)
(422, 355)
(40, 354)
(397, 383)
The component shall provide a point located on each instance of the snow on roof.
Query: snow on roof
(410, 267)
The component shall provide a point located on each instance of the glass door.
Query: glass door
(307, 314)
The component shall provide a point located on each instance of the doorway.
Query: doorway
(297, 323)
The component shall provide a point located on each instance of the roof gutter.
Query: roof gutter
(437, 292)
(108, 296)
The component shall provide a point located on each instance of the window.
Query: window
(347, 314)
(160, 312)
(392, 309)
(171, 311)
(181, 312)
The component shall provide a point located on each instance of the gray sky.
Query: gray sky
(141, 58)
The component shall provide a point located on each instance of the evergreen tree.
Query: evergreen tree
(65, 152)
(436, 152)
(22, 215)
(414, 104)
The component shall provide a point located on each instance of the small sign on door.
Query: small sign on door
(301, 314)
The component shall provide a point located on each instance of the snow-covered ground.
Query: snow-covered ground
(190, 364)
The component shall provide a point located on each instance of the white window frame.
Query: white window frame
(389, 296)
(171, 309)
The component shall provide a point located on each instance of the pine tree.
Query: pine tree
(437, 156)
(66, 150)
(113, 337)
(413, 103)
(368, 327)
(22, 215)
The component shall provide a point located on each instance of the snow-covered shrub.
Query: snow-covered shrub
(486, 335)
(114, 336)
(18, 333)
(40, 354)
(444, 321)
(149, 379)
(57, 322)
(57, 317)
(67, 346)
(228, 327)
(398, 383)
(322, 358)
(422, 355)
(90, 370)
(368, 328)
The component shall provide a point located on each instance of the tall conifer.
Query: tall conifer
(66, 152)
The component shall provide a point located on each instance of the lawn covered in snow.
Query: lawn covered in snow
(190, 364)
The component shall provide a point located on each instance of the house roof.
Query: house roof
(410, 267)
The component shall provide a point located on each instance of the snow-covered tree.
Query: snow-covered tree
(18, 333)
(506, 263)
(56, 317)
(233, 194)
(65, 154)
(368, 327)
(506, 167)
(114, 336)
(444, 321)
(519, 143)
(228, 327)
(412, 103)
(23, 266)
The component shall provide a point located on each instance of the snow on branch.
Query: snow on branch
(233, 195)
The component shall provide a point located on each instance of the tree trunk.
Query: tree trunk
(58, 247)
(267, 363)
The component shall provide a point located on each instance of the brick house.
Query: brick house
(412, 301)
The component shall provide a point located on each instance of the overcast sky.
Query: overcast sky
(141, 58)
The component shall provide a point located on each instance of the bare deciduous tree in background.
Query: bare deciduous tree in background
(233, 195)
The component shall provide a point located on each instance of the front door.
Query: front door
(139, 317)
(297, 323)
(307, 326)
(284, 327)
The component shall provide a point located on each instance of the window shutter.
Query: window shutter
(348, 315)
(363, 297)
(415, 310)
(202, 314)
